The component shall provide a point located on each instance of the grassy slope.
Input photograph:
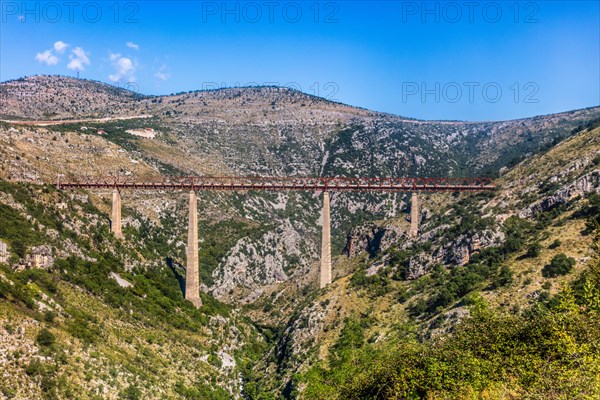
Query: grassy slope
(128, 352)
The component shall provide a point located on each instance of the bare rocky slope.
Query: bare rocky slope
(259, 250)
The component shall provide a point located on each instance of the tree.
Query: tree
(131, 393)
(19, 248)
(534, 250)
(504, 277)
(560, 265)
(554, 244)
(45, 338)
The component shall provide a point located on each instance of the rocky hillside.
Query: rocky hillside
(283, 131)
(85, 316)
(518, 253)
(264, 131)
(53, 97)
(259, 250)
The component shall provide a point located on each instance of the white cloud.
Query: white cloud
(47, 58)
(124, 68)
(79, 59)
(80, 53)
(133, 45)
(75, 64)
(162, 73)
(60, 46)
(162, 76)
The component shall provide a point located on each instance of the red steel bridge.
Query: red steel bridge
(284, 183)
(325, 185)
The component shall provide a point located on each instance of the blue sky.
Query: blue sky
(480, 60)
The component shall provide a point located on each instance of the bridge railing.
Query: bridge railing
(282, 183)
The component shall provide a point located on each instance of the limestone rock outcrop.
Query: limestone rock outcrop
(583, 185)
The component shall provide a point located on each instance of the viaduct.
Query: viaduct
(325, 185)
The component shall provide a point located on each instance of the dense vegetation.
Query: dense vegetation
(552, 350)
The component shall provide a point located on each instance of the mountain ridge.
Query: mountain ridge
(240, 89)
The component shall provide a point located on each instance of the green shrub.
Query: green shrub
(555, 244)
(34, 368)
(417, 308)
(16, 292)
(17, 230)
(402, 295)
(38, 368)
(376, 285)
(444, 298)
(592, 211)
(546, 285)
(49, 316)
(504, 278)
(131, 393)
(533, 250)
(45, 338)
(454, 286)
(83, 327)
(560, 265)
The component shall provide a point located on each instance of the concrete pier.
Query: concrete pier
(192, 273)
(4, 255)
(414, 215)
(325, 271)
(115, 222)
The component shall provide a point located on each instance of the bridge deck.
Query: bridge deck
(286, 183)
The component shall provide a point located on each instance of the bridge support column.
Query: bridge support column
(414, 215)
(192, 273)
(325, 271)
(115, 222)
